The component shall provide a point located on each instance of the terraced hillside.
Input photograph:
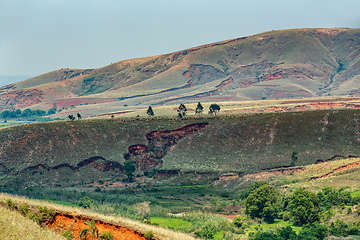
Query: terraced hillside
(74, 153)
(278, 64)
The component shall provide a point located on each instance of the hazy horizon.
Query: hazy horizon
(39, 36)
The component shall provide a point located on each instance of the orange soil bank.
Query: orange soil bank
(75, 223)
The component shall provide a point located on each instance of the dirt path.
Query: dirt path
(75, 223)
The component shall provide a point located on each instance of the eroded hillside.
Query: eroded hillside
(73, 153)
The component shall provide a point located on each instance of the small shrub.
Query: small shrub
(149, 235)
(47, 214)
(207, 232)
(35, 218)
(107, 236)
(67, 234)
(286, 216)
(10, 204)
(238, 222)
(349, 210)
(85, 202)
(24, 209)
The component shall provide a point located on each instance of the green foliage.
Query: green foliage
(340, 228)
(10, 204)
(199, 108)
(67, 234)
(85, 202)
(129, 168)
(316, 231)
(106, 236)
(35, 217)
(51, 111)
(294, 158)
(349, 211)
(263, 202)
(304, 206)
(47, 215)
(150, 111)
(22, 114)
(214, 108)
(149, 235)
(92, 230)
(24, 209)
(245, 193)
(206, 232)
(329, 197)
(268, 235)
(238, 221)
(287, 233)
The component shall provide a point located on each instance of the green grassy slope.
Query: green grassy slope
(72, 153)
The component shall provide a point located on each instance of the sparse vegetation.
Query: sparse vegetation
(149, 235)
(91, 231)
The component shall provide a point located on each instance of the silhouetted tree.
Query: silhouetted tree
(150, 111)
(71, 117)
(78, 116)
(214, 108)
(199, 108)
(182, 111)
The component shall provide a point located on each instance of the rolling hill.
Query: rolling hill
(272, 65)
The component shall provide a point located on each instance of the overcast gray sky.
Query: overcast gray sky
(38, 36)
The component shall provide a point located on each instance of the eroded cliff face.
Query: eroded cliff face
(159, 143)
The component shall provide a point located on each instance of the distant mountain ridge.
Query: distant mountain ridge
(277, 64)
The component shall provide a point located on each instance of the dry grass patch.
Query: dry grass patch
(343, 178)
(15, 226)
